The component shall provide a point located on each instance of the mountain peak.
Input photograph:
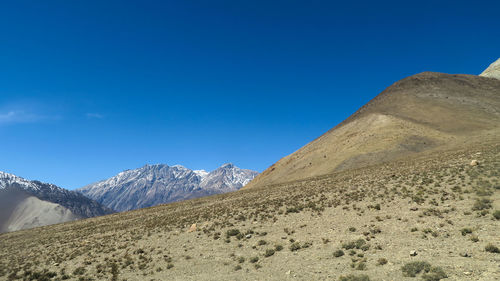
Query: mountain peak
(7, 179)
(227, 166)
(159, 184)
(493, 71)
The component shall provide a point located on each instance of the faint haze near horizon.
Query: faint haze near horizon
(89, 89)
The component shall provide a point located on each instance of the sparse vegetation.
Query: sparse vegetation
(232, 232)
(466, 231)
(338, 253)
(145, 244)
(496, 214)
(492, 248)
(434, 274)
(382, 261)
(79, 271)
(295, 246)
(354, 278)
(482, 204)
(269, 252)
(413, 268)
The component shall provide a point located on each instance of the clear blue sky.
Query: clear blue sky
(91, 88)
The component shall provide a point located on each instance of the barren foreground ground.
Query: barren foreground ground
(431, 217)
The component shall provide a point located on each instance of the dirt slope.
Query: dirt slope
(424, 113)
(33, 212)
(374, 222)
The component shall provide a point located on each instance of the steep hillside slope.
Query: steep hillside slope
(493, 71)
(158, 184)
(33, 212)
(424, 113)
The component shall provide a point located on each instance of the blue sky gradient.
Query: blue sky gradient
(91, 88)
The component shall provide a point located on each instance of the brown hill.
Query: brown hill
(421, 114)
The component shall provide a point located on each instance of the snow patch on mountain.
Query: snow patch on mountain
(8, 180)
(201, 173)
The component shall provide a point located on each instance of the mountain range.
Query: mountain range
(151, 185)
(26, 204)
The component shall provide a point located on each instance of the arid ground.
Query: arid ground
(432, 216)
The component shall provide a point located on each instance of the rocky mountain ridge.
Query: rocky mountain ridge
(156, 184)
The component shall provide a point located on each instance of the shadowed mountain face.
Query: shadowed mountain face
(424, 113)
(25, 204)
(20, 210)
(158, 184)
(9, 199)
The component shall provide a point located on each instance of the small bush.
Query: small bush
(413, 268)
(278, 248)
(338, 253)
(435, 274)
(361, 266)
(466, 231)
(254, 259)
(382, 261)
(306, 245)
(262, 242)
(295, 246)
(492, 248)
(354, 244)
(354, 278)
(232, 232)
(481, 204)
(79, 271)
(359, 243)
(238, 267)
(348, 245)
(269, 252)
(496, 214)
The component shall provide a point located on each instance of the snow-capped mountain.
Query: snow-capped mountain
(7, 180)
(26, 203)
(151, 185)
